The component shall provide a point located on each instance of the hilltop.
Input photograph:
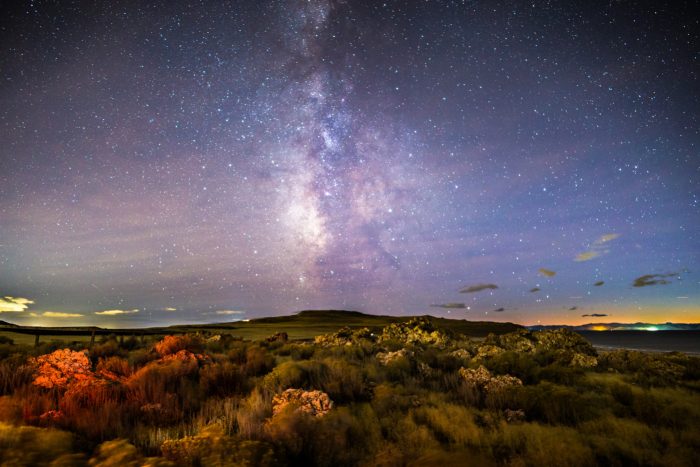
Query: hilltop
(309, 323)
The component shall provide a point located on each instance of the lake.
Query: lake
(648, 341)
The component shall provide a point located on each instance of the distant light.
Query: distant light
(652, 328)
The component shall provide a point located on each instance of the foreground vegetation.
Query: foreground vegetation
(411, 393)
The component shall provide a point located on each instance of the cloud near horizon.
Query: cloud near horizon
(477, 288)
(449, 305)
(60, 314)
(14, 304)
(229, 312)
(117, 312)
(594, 315)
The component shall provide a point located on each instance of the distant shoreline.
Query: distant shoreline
(687, 342)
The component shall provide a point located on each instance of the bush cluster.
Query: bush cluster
(411, 394)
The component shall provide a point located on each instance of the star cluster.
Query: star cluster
(168, 162)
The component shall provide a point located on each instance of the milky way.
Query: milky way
(167, 162)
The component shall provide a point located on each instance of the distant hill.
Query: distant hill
(303, 325)
(315, 322)
(6, 324)
(623, 327)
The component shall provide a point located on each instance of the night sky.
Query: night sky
(180, 162)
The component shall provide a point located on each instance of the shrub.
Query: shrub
(212, 447)
(221, 379)
(257, 361)
(120, 453)
(109, 348)
(114, 368)
(170, 345)
(61, 368)
(14, 374)
(35, 446)
(533, 444)
(251, 414)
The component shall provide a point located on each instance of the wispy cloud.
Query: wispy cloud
(60, 314)
(498, 310)
(535, 289)
(117, 312)
(477, 288)
(598, 283)
(547, 272)
(14, 304)
(170, 308)
(594, 315)
(606, 238)
(449, 305)
(598, 247)
(586, 256)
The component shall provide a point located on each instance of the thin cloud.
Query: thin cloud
(598, 248)
(498, 310)
(59, 314)
(586, 256)
(170, 308)
(117, 312)
(653, 279)
(598, 283)
(606, 238)
(14, 304)
(547, 272)
(535, 289)
(594, 315)
(477, 288)
(229, 312)
(449, 305)
(572, 308)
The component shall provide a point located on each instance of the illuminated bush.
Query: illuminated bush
(315, 403)
(113, 368)
(170, 345)
(61, 368)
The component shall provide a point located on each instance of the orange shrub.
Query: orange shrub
(172, 344)
(113, 368)
(62, 367)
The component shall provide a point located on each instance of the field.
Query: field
(366, 390)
